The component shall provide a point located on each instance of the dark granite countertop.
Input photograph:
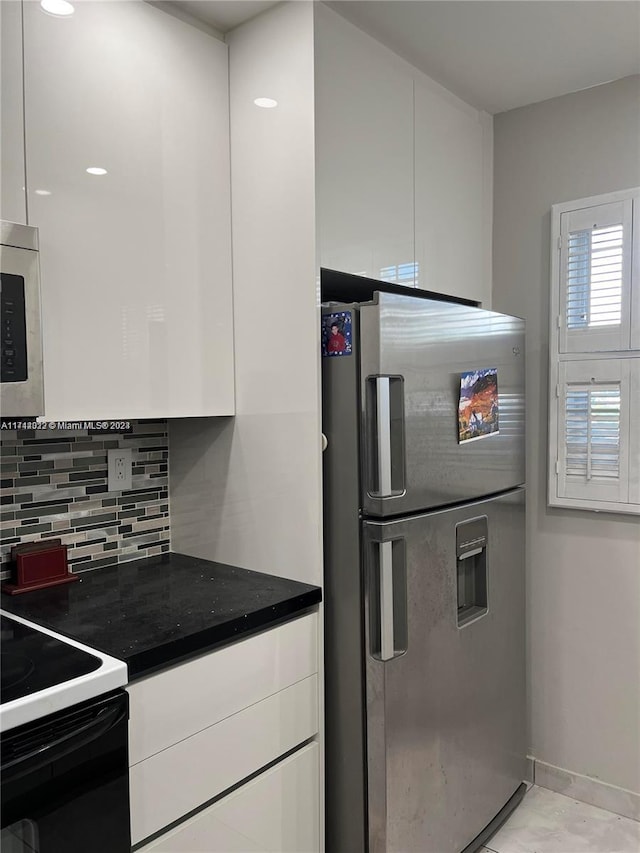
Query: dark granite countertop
(154, 612)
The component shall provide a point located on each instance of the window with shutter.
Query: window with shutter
(594, 278)
(595, 269)
(594, 412)
(592, 430)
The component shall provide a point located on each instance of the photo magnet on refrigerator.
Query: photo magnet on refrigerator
(478, 404)
(336, 334)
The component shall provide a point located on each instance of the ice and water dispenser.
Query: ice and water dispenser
(471, 564)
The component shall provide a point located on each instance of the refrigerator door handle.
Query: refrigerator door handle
(387, 649)
(384, 436)
(387, 600)
(383, 417)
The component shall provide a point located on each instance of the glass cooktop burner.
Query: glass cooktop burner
(14, 668)
(32, 661)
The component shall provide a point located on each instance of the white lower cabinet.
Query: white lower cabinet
(182, 777)
(203, 727)
(277, 812)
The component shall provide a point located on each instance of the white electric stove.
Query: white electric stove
(63, 744)
(43, 672)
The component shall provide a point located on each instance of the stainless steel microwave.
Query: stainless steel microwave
(21, 377)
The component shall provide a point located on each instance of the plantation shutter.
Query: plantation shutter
(635, 278)
(593, 430)
(634, 432)
(595, 278)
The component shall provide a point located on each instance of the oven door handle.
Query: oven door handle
(58, 748)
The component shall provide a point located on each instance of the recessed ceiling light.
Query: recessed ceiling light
(267, 103)
(59, 8)
(96, 170)
(42, 192)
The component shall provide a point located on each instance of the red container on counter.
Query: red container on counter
(37, 565)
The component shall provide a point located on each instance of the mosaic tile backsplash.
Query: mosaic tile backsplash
(54, 484)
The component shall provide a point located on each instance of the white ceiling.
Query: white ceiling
(494, 54)
(507, 53)
(224, 15)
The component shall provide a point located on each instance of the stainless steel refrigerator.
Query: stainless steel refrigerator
(423, 409)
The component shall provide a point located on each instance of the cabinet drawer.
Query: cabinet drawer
(277, 812)
(178, 779)
(187, 698)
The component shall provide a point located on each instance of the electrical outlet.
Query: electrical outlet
(119, 470)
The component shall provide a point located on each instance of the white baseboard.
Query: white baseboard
(529, 777)
(587, 790)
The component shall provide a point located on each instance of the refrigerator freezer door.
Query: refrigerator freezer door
(446, 714)
(413, 356)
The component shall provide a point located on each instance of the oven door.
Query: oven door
(21, 373)
(65, 781)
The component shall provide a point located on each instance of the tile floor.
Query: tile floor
(546, 822)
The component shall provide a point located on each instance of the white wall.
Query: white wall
(247, 491)
(583, 568)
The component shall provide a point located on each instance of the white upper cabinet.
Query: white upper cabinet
(364, 153)
(403, 169)
(453, 195)
(136, 260)
(12, 177)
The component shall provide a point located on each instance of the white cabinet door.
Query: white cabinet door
(135, 263)
(12, 182)
(364, 153)
(277, 812)
(453, 210)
